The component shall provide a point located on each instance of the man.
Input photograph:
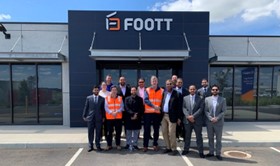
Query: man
(183, 91)
(108, 81)
(193, 120)
(141, 88)
(204, 91)
(215, 108)
(134, 110)
(93, 114)
(174, 80)
(123, 91)
(152, 114)
(114, 107)
(171, 109)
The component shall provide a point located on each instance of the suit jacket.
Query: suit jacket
(127, 92)
(197, 110)
(220, 109)
(174, 107)
(201, 92)
(94, 111)
(184, 93)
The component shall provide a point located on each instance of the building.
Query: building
(47, 69)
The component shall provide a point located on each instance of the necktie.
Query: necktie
(192, 102)
(204, 90)
(95, 99)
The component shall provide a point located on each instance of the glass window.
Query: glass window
(163, 75)
(24, 94)
(245, 93)
(115, 73)
(50, 94)
(5, 107)
(130, 76)
(222, 76)
(269, 96)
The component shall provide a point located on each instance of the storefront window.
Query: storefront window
(163, 75)
(24, 94)
(130, 76)
(50, 94)
(5, 107)
(245, 93)
(222, 76)
(269, 98)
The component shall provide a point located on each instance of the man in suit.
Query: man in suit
(193, 108)
(204, 91)
(170, 109)
(123, 91)
(93, 114)
(215, 108)
(183, 91)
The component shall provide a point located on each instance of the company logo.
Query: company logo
(138, 24)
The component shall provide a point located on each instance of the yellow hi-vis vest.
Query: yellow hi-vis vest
(114, 104)
(155, 98)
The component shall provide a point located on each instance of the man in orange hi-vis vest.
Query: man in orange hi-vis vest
(114, 107)
(152, 115)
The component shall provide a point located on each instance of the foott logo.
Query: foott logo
(138, 24)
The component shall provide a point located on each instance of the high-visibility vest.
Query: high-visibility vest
(155, 98)
(114, 104)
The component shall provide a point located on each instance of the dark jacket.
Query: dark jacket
(174, 106)
(94, 112)
(133, 105)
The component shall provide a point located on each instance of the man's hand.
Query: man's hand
(214, 120)
(191, 118)
(134, 116)
(178, 122)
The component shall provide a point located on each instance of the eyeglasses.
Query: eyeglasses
(168, 84)
(215, 89)
(140, 82)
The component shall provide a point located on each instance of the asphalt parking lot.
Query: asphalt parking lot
(233, 156)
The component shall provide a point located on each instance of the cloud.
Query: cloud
(5, 17)
(220, 10)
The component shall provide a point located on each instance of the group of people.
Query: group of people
(111, 106)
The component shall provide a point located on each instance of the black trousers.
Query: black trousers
(97, 125)
(115, 124)
(149, 120)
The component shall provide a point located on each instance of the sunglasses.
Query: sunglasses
(215, 89)
(140, 82)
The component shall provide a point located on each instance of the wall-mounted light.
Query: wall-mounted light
(4, 30)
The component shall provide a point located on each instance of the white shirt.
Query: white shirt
(215, 101)
(104, 94)
(167, 98)
(123, 88)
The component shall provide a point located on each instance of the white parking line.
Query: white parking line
(184, 157)
(70, 162)
(275, 149)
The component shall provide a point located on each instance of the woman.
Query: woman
(103, 92)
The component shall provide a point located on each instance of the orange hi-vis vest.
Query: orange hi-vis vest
(114, 104)
(155, 98)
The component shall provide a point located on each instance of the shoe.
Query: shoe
(109, 148)
(167, 151)
(136, 147)
(201, 155)
(99, 149)
(145, 149)
(119, 147)
(90, 149)
(126, 146)
(219, 157)
(156, 148)
(173, 153)
(185, 152)
(209, 155)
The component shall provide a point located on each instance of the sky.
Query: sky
(227, 17)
